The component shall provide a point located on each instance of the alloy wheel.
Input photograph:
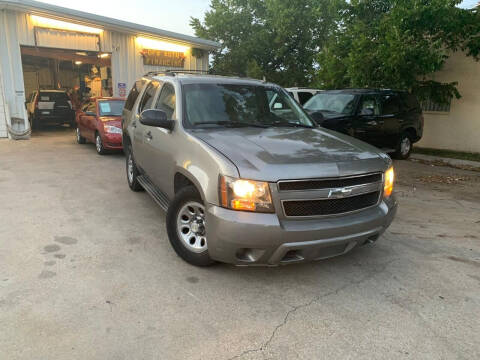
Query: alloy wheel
(191, 226)
(405, 146)
(98, 143)
(130, 168)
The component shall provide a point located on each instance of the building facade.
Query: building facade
(457, 126)
(49, 47)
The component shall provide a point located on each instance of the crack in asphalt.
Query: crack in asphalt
(306, 305)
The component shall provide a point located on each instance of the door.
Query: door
(368, 123)
(140, 130)
(88, 121)
(160, 143)
(392, 117)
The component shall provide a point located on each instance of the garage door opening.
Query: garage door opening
(58, 82)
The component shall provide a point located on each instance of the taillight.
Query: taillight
(36, 102)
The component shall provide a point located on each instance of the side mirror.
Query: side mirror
(367, 112)
(317, 116)
(157, 118)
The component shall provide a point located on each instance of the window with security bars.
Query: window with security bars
(430, 105)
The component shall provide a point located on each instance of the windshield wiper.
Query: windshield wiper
(233, 124)
(291, 124)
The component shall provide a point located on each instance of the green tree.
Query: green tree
(278, 39)
(398, 44)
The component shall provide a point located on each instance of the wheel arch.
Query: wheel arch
(183, 178)
(412, 132)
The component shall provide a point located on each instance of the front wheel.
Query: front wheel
(99, 145)
(186, 227)
(404, 147)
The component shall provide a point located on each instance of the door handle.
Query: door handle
(134, 124)
(149, 136)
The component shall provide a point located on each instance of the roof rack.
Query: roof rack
(170, 72)
(198, 72)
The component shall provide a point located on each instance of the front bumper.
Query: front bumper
(244, 238)
(112, 141)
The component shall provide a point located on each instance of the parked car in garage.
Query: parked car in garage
(247, 182)
(388, 119)
(100, 122)
(49, 107)
(302, 95)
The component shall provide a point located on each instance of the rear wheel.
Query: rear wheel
(80, 138)
(132, 171)
(99, 145)
(404, 147)
(186, 227)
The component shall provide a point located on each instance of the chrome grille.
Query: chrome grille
(329, 196)
(330, 207)
(313, 184)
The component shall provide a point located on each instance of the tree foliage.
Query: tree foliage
(398, 44)
(278, 39)
(340, 43)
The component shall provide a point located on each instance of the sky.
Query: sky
(172, 15)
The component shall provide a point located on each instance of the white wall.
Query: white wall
(11, 66)
(460, 128)
(3, 116)
(127, 61)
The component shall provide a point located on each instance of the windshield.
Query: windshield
(53, 96)
(111, 107)
(336, 103)
(236, 105)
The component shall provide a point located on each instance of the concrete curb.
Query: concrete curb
(450, 161)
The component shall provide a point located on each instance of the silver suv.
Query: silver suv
(247, 181)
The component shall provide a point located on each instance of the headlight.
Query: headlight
(246, 195)
(388, 184)
(112, 129)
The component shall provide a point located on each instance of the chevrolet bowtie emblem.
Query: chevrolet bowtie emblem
(339, 193)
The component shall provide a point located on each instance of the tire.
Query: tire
(404, 147)
(99, 145)
(80, 138)
(132, 171)
(186, 227)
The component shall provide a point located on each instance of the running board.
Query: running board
(159, 197)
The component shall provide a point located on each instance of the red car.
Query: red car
(100, 122)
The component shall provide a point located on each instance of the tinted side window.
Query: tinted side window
(148, 96)
(132, 97)
(166, 100)
(304, 97)
(391, 104)
(369, 102)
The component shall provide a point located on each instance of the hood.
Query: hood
(114, 120)
(319, 116)
(274, 154)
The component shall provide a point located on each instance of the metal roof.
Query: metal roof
(62, 13)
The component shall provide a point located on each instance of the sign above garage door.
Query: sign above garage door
(163, 58)
(63, 39)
